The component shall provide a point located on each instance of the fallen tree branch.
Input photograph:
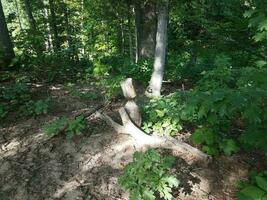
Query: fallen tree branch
(84, 115)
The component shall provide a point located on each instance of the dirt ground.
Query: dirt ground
(34, 167)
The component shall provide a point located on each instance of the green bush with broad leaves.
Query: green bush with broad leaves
(75, 127)
(35, 108)
(162, 115)
(223, 100)
(149, 176)
(16, 94)
(255, 189)
(71, 127)
(213, 143)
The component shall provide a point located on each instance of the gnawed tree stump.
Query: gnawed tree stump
(131, 120)
(131, 106)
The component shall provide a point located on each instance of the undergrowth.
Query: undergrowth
(149, 176)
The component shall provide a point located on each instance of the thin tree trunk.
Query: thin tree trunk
(49, 42)
(53, 23)
(137, 11)
(130, 34)
(122, 37)
(28, 11)
(69, 39)
(155, 84)
(82, 29)
(6, 46)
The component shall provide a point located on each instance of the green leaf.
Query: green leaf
(264, 197)
(211, 150)
(253, 192)
(249, 13)
(173, 182)
(261, 182)
(148, 195)
(228, 147)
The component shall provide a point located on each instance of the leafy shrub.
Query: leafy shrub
(149, 175)
(162, 116)
(256, 189)
(73, 127)
(17, 93)
(222, 97)
(111, 86)
(54, 127)
(35, 108)
(212, 143)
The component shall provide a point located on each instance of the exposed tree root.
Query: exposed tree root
(151, 141)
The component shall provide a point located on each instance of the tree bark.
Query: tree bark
(53, 23)
(48, 42)
(137, 11)
(145, 17)
(68, 30)
(6, 46)
(130, 34)
(28, 11)
(155, 83)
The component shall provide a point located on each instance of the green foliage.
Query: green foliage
(34, 108)
(161, 116)
(213, 143)
(54, 127)
(258, 20)
(73, 127)
(76, 92)
(149, 175)
(111, 86)
(3, 111)
(255, 189)
(222, 97)
(17, 93)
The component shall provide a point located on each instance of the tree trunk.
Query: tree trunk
(6, 46)
(145, 18)
(48, 42)
(28, 11)
(137, 11)
(155, 84)
(68, 30)
(130, 34)
(53, 23)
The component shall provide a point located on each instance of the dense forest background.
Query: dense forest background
(201, 62)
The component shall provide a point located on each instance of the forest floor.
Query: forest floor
(34, 167)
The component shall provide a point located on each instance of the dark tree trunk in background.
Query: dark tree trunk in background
(28, 11)
(68, 30)
(53, 23)
(6, 46)
(48, 35)
(137, 11)
(130, 34)
(155, 84)
(146, 29)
